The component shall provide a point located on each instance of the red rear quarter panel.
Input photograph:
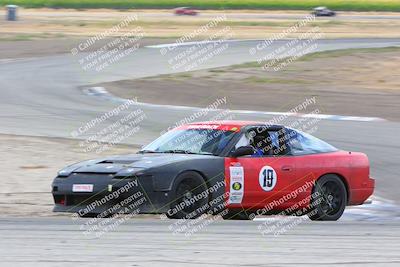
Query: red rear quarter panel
(351, 167)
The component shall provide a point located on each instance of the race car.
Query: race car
(235, 169)
(185, 11)
(322, 11)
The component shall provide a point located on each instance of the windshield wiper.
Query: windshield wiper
(148, 151)
(182, 151)
(178, 151)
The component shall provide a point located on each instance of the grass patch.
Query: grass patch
(246, 65)
(184, 75)
(346, 52)
(323, 54)
(356, 5)
(171, 23)
(256, 79)
(30, 37)
(257, 23)
(217, 70)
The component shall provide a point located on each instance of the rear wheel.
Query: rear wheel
(328, 200)
(189, 197)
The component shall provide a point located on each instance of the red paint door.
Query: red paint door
(265, 179)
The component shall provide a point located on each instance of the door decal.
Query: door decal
(267, 178)
(236, 187)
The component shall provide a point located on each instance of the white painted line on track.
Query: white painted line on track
(183, 44)
(200, 43)
(12, 60)
(103, 93)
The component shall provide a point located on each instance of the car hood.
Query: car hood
(127, 164)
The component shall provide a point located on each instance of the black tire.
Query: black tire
(238, 215)
(187, 201)
(88, 215)
(329, 199)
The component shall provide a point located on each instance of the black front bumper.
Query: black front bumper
(109, 195)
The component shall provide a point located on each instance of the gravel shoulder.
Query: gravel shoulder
(29, 165)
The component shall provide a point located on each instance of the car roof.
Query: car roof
(232, 123)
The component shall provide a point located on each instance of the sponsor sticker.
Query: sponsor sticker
(203, 126)
(82, 188)
(236, 187)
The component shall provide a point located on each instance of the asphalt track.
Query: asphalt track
(149, 242)
(44, 97)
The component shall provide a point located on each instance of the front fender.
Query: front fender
(212, 169)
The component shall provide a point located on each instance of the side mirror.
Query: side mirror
(242, 151)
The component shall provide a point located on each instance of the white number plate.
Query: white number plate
(82, 188)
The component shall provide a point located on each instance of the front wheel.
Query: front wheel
(328, 200)
(189, 197)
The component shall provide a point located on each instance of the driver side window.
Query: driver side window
(269, 142)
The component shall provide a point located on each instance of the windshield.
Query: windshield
(191, 141)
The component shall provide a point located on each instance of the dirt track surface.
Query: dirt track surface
(353, 82)
(52, 46)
